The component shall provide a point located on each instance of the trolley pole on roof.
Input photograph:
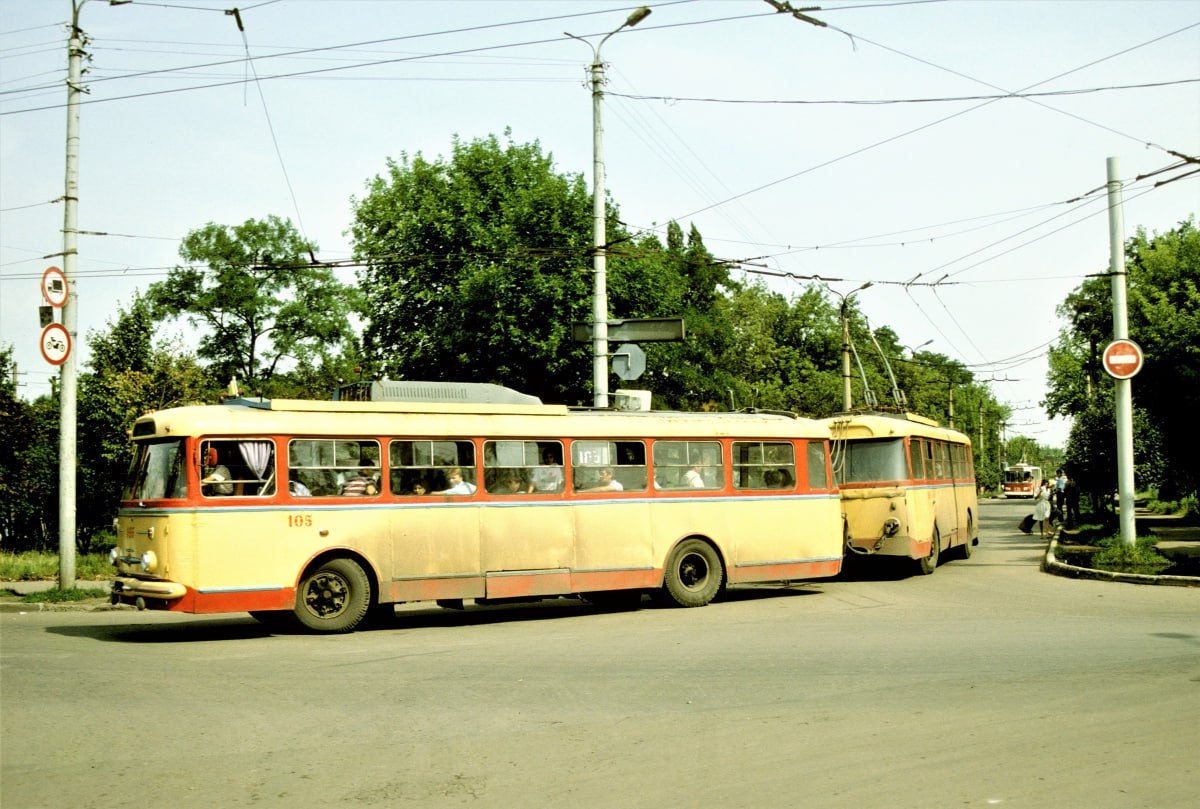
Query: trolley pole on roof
(1124, 387)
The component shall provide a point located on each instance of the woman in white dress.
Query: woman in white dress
(1041, 506)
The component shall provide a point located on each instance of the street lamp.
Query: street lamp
(846, 401)
(913, 350)
(599, 238)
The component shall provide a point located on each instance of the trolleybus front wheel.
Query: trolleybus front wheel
(333, 597)
(694, 573)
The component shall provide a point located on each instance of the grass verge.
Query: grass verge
(57, 596)
(39, 565)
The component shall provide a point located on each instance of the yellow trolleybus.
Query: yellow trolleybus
(907, 485)
(320, 512)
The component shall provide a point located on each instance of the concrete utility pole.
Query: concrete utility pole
(1124, 387)
(70, 317)
(599, 236)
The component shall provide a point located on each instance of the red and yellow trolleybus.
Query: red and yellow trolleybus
(320, 512)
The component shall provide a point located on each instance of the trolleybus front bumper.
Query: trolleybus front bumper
(129, 590)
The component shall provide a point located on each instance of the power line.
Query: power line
(888, 101)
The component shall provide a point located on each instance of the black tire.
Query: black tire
(694, 573)
(333, 597)
(930, 562)
(968, 547)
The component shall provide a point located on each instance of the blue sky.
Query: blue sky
(750, 124)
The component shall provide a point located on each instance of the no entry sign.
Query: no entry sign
(1122, 359)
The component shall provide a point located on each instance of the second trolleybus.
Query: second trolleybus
(907, 485)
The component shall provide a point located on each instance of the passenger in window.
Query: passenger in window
(296, 488)
(784, 479)
(216, 480)
(605, 483)
(457, 485)
(549, 477)
(692, 478)
(362, 483)
(511, 483)
(418, 488)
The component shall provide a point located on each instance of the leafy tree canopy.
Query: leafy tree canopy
(259, 298)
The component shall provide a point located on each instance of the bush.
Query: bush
(1141, 557)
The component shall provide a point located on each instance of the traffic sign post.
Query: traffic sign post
(1123, 359)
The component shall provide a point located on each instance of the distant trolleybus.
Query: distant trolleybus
(321, 512)
(907, 486)
(1021, 479)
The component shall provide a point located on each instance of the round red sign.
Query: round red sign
(54, 287)
(1122, 359)
(56, 344)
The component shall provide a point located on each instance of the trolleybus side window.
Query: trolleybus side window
(237, 468)
(327, 467)
(818, 468)
(522, 467)
(763, 465)
(688, 465)
(597, 464)
(423, 466)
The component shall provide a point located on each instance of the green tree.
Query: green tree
(476, 267)
(259, 299)
(28, 466)
(479, 264)
(1163, 285)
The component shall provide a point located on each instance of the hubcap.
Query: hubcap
(326, 595)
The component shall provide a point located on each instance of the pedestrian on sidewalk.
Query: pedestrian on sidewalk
(1041, 507)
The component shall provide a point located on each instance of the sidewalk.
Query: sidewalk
(1176, 539)
(23, 588)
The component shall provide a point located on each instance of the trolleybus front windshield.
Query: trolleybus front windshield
(157, 472)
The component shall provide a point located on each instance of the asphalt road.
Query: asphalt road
(988, 683)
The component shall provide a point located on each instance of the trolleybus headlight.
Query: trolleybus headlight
(891, 526)
(149, 561)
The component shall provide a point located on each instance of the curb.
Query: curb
(1050, 564)
(21, 588)
(20, 607)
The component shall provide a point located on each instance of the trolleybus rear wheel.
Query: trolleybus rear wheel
(966, 548)
(694, 574)
(333, 597)
(929, 564)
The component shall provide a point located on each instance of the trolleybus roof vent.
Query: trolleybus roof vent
(388, 390)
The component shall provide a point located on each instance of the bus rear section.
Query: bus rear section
(907, 488)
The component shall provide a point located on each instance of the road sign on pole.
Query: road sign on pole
(629, 361)
(644, 330)
(56, 344)
(1123, 359)
(54, 287)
